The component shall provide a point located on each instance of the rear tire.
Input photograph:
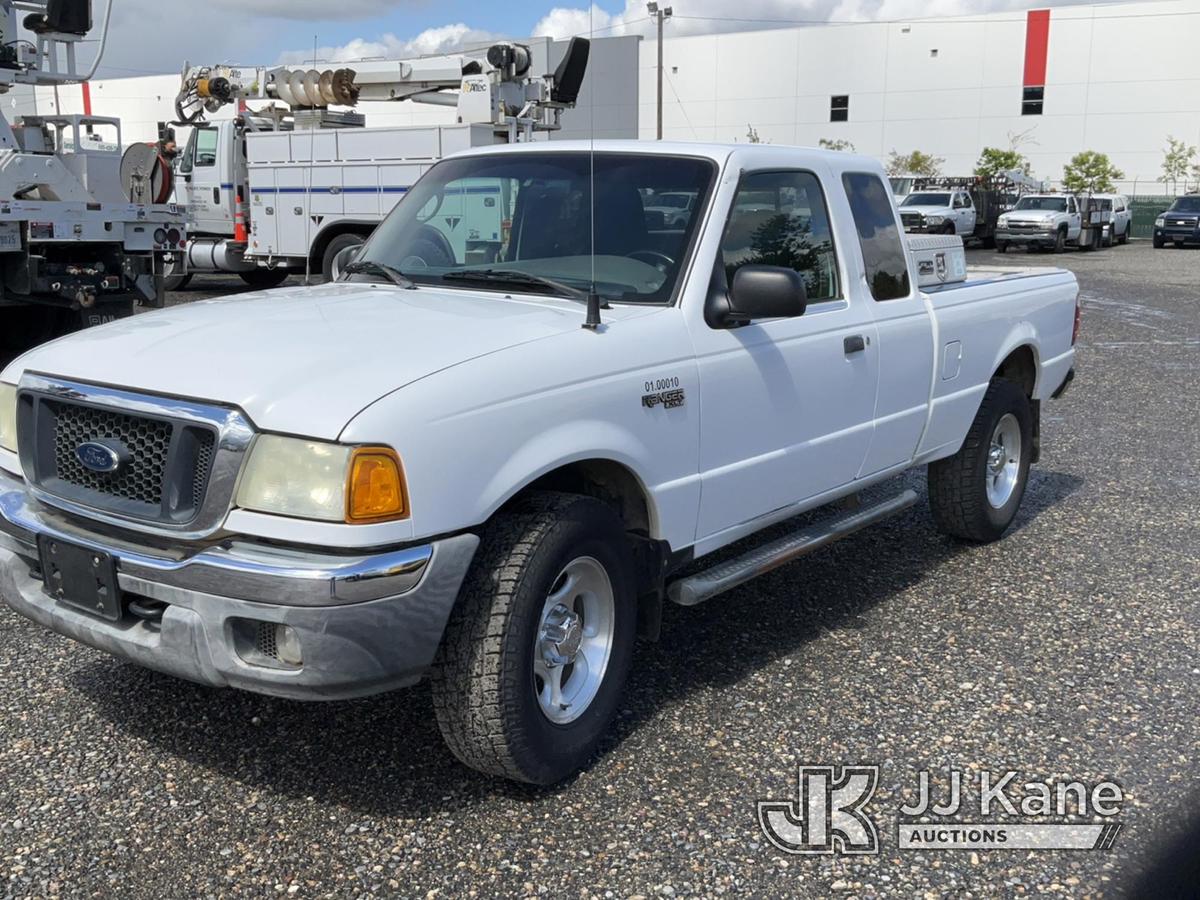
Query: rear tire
(177, 282)
(264, 279)
(337, 245)
(502, 707)
(975, 494)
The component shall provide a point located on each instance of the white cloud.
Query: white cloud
(430, 42)
(566, 22)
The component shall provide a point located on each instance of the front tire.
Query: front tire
(1060, 240)
(975, 494)
(1001, 246)
(1124, 238)
(1159, 243)
(949, 228)
(535, 657)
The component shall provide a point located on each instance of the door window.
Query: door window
(780, 219)
(206, 147)
(882, 248)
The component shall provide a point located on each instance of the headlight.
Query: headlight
(8, 417)
(934, 220)
(1160, 222)
(317, 480)
(1002, 221)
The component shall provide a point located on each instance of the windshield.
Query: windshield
(926, 200)
(1186, 204)
(470, 221)
(1051, 204)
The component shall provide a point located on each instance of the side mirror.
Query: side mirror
(343, 259)
(767, 292)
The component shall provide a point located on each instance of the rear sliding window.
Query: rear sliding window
(882, 246)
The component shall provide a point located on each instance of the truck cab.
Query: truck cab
(936, 210)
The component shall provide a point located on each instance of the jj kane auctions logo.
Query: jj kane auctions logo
(830, 813)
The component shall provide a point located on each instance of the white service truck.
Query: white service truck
(495, 471)
(1052, 221)
(82, 238)
(283, 191)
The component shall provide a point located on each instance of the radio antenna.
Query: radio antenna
(308, 195)
(592, 322)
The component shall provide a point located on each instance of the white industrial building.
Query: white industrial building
(1117, 78)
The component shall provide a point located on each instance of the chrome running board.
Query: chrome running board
(727, 575)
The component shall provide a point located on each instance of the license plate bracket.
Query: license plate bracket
(81, 578)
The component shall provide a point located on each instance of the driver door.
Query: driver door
(787, 405)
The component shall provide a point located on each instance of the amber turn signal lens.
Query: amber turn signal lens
(377, 492)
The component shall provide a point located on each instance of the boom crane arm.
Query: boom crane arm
(495, 86)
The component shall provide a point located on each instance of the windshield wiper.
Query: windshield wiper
(512, 276)
(371, 267)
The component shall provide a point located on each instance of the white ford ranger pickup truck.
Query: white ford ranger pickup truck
(489, 459)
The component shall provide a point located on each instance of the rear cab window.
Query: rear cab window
(882, 245)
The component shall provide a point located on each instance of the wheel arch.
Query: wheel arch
(604, 478)
(1020, 366)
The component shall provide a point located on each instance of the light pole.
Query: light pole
(661, 15)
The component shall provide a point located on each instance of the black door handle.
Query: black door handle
(217, 196)
(855, 344)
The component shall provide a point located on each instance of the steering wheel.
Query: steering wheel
(431, 248)
(660, 261)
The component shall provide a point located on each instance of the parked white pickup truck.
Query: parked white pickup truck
(1048, 221)
(443, 467)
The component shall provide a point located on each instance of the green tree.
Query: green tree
(993, 161)
(1091, 171)
(840, 144)
(924, 165)
(1177, 159)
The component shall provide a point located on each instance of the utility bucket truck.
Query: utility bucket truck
(82, 238)
(290, 187)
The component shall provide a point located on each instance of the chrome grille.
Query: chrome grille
(178, 459)
(148, 441)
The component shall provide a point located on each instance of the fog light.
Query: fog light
(287, 646)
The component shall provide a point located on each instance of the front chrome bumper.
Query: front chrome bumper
(1026, 237)
(365, 623)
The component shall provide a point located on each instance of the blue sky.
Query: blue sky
(159, 35)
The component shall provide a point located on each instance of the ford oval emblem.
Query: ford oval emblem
(97, 457)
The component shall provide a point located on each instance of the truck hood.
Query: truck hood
(927, 210)
(1032, 215)
(303, 360)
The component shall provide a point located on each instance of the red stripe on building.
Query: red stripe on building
(87, 99)
(1037, 46)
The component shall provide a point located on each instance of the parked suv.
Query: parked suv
(938, 212)
(1040, 220)
(1121, 224)
(1180, 223)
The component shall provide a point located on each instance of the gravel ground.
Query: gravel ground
(1069, 650)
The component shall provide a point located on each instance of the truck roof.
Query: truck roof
(769, 153)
